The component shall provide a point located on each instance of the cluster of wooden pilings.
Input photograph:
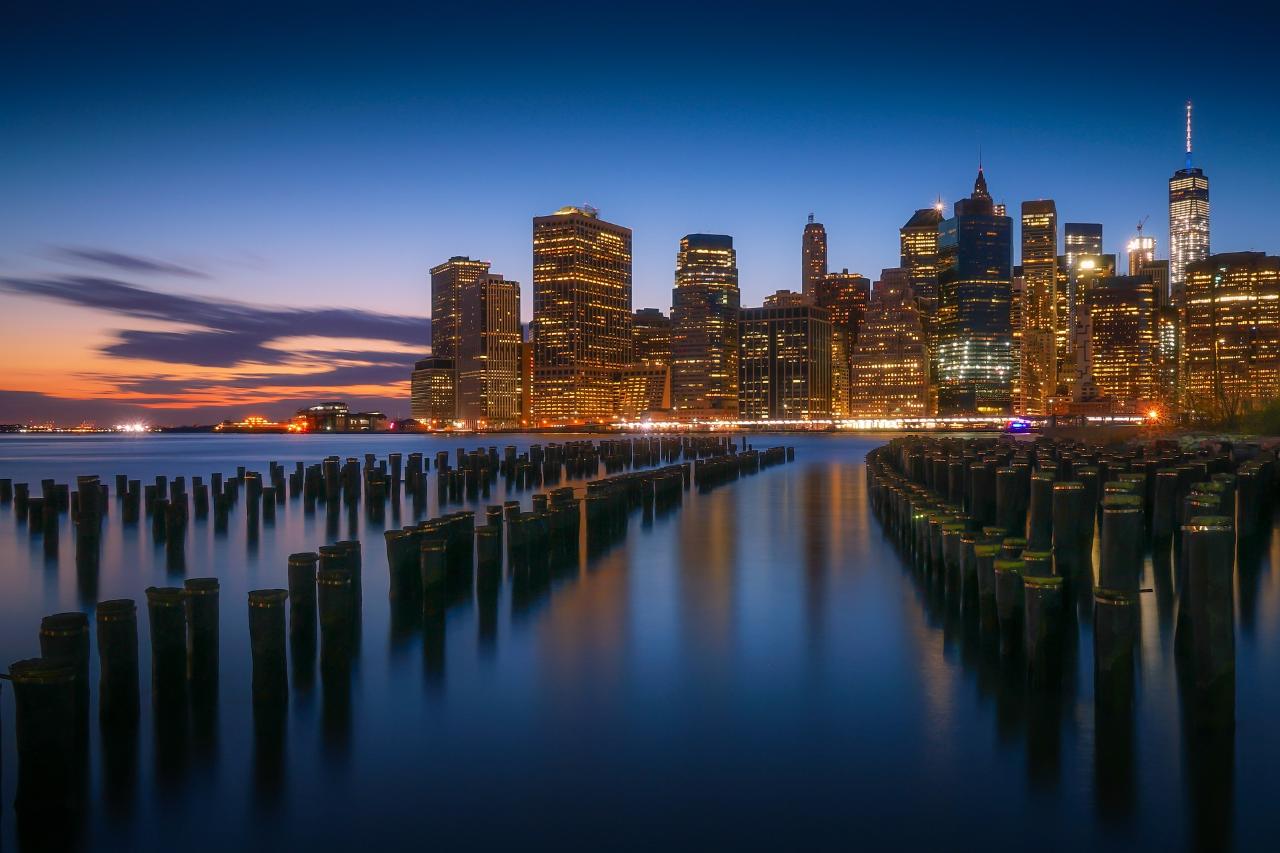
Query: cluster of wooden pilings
(168, 505)
(317, 613)
(1007, 530)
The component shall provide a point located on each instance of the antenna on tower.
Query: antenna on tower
(1188, 134)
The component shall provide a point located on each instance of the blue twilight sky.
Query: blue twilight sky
(329, 154)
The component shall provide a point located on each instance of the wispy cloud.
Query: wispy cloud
(122, 262)
(216, 353)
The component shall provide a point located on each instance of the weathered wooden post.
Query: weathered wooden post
(117, 622)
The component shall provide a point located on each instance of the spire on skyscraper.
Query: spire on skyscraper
(980, 185)
(1188, 134)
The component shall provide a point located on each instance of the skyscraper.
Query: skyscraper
(889, 366)
(488, 365)
(1142, 252)
(447, 281)
(1168, 324)
(1017, 298)
(704, 328)
(1124, 340)
(813, 255)
(975, 269)
(919, 246)
(1087, 271)
(1232, 334)
(1188, 220)
(432, 388)
(1081, 238)
(652, 332)
(785, 366)
(1038, 376)
(645, 386)
(845, 295)
(581, 313)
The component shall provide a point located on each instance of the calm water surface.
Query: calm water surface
(754, 670)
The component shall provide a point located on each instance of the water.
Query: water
(755, 670)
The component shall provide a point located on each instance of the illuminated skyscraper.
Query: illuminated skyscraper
(1188, 220)
(813, 255)
(889, 367)
(974, 359)
(1232, 334)
(1142, 252)
(643, 389)
(433, 395)
(582, 315)
(1087, 271)
(1017, 300)
(1158, 272)
(787, 299)
(651, 330)
(845, 295)
(785, 362)
(526, 383)
(919, 245)
(1123, 321)
(1038, 374)
(488, 364)
(1168, 324)
(704, 328)
(447, 281)
(1080, 238)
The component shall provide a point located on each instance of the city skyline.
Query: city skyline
(230, 172)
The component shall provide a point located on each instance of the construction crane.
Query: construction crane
(1141, 223)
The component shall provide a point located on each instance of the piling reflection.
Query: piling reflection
(1187, 513)
(582, 584)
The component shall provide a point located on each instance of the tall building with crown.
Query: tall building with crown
(813, 256)
(974, 346)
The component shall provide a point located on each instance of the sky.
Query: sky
(214, 210)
